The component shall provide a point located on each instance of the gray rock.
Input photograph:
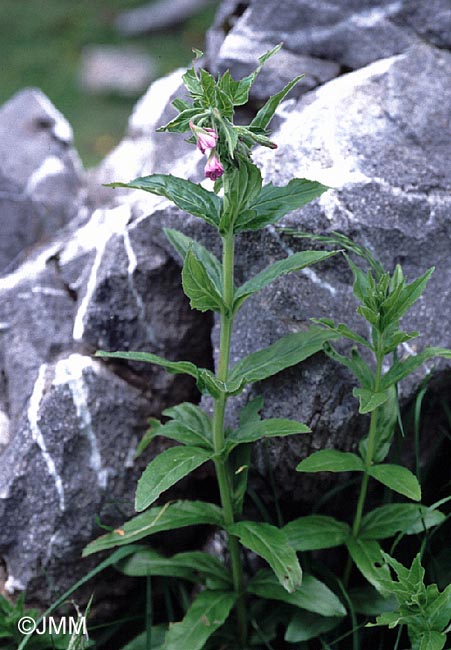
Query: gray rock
(69, 424)
(122, 70)
(41, 185)
(366, 135)
(348, 33)
(158, 16)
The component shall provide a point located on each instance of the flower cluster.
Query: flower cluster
(206, 139)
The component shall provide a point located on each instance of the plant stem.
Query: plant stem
(368, 462)
(221, 464)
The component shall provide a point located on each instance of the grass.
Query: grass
(40, 45)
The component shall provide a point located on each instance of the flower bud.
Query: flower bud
(213, 168)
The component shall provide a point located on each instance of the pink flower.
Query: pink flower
(205, 138)
(213, 168)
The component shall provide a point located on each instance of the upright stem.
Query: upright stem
(222, 466)
(368, 462)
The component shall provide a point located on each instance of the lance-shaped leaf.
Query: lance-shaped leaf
(294, 262)
(331, 460)
(173, 515)
(272, 545)
(190, 566)
(206, 381)
(270, 428)
(198, 285)
(186, 195)
(315, 532)
(397, 478)
(287, 351)
(368, 559)
(399, 301)
(184, 244)
(386, 418)
(180, 124)
(432, 640)
(266, 113)
(241, 187)
(174, 367)
(312, 595)
(184, 434)
(274, 202)
(193, 418)
(167, 469)
(393, 518)
(207, 613)
(344, 330)
(370, 400)
(355, 363)
(402, 369)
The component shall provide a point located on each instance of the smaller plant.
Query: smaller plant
(425, 611)
(384, 299)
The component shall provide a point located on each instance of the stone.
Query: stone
(126, 71)
(69, 423)
(347, 33)
(41, 176)
(385, 156)
(158, 16)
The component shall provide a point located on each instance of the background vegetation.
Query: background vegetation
(41, 43)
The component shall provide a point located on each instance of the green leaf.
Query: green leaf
(343, 330)
(272, 545)
(167, 469)
(287, 351)
(193, 418)
(312, 595)
(180, 124)
(307, 625)
(398, 303)
(266, 113)
(198, 286)
(368, 559)
(173, 515)
(402, 369)
(397, 478)
(275, 202)
(386, 418)
(186, 195)
(294, 262)
(369, 400)
(356, 364)
(189, 566)
(269, 428)
(241, 187)
(331, 460)
(184, 244)
(206, 381)
(315, 532)
(174, 367)
(183, 434)
(392, 518)
(439, 607)
(432, 640)
(207, 613)
(251, 411)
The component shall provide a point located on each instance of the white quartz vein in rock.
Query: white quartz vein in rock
(69, 372)
(36, 433)
(96, 233)
(131, 268)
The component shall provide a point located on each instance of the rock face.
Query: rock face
(69, 423)
(40, 173)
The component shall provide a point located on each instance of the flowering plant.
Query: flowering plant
(224, 608)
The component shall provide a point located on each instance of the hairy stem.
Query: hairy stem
(368, 462)
(222, 466)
